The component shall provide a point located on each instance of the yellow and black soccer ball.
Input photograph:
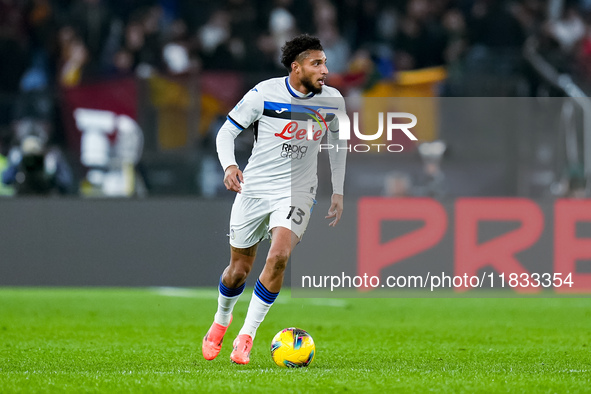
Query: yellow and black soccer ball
(293, 348)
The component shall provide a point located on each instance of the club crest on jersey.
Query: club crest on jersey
(237, 106)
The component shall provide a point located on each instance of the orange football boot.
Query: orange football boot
(242, 347)
(212, 342)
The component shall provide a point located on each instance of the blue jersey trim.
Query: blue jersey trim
(234, 122)
(294, 93)
(284, 107)
(280, 107)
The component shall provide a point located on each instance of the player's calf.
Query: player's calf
(227, 298)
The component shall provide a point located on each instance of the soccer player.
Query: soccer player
(275, 194)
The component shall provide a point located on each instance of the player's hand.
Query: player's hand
(233, 178)
(336, 209)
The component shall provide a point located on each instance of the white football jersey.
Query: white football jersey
(288, 130)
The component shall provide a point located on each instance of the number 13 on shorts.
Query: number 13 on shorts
(298, 215)
(298, 212)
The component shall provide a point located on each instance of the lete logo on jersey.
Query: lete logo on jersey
(291, 131)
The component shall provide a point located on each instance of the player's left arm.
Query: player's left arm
(338, 159)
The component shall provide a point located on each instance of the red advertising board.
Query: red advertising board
(521, 258)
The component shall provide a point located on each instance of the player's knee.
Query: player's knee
(278, 261)
(237, 275)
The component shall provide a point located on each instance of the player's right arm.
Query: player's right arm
(225, 148)
(247, 111)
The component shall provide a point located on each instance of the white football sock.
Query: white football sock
(257, 310)
(225, 308)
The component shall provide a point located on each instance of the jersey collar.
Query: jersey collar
(294, 93)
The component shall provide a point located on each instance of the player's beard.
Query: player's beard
(308, 84)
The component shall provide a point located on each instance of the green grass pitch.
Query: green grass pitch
(149, 340)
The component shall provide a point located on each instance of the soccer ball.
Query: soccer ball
(293, 348)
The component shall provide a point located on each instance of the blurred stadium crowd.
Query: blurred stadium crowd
(49, 45)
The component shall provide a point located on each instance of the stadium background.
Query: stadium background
(113, 106)
(108, 112)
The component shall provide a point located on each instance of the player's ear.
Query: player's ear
(295, 66)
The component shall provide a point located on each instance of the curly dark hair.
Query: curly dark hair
(299, 44)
